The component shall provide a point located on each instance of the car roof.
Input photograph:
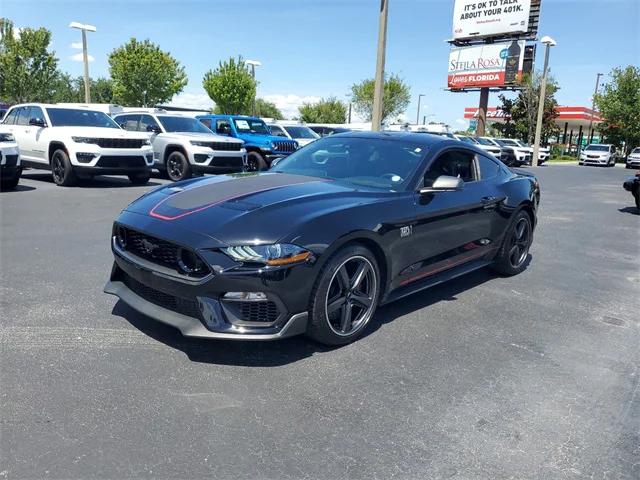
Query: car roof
(424, 138)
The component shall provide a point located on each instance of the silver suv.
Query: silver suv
(182, 146)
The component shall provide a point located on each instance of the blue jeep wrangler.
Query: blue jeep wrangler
(262, 147)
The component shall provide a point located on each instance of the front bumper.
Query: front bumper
(633, 162)
(92, 158)
(594, 161)
(199, 308)
(206, 160)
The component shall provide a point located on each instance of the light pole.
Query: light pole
(85, 56)
(593, 107)
(253, 64)
(378, 89)
(418, 114)
(549, 42)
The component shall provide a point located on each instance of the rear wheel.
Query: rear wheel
(139, 178)
(255, 162)
(178, 167)
(511, 258)
(344, 297)
(61, 169)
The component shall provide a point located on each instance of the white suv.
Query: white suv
(77, 142)
(633, 160)
(10, 168)
(183, 146)
(295, 131)
(598, 154)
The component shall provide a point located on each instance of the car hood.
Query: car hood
(202, 137)
(100, 132)
(262, 139)
(245, 208)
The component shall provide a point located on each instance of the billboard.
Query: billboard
(487, 65)
(483, 18)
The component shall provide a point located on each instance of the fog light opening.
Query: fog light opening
(121, 236)
(245, 296)
(189, 262)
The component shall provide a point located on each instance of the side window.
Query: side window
(453, 163)
(487, 167)
(23, 116)
(206, 122)
(36, 112)
(148, 124)
(10, 119)
(277, 131)
(129, 122)
(223, 127)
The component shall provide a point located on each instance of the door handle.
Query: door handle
(486, 200)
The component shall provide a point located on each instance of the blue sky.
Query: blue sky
(318, 48)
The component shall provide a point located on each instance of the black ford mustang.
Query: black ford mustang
(313, 246)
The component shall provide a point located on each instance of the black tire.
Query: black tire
(512, 256)
(10, 183)
(357, 299)
(62, 170)
(177, 166)
(140, 178)
(255, 162)
(636, 195)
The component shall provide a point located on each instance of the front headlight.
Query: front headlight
(146, 142)
(85, 140)
(274, 146)
(198, 143)
(277, 254)
(7, 137)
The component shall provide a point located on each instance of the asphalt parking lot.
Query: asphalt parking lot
(529, 377)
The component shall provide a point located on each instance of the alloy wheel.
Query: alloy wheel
(520, 242)
(175, 167)
(57, 169)
(252, 165)
(351, 296)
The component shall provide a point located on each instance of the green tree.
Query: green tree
(619, 107)
(330, 110)
(68, 89)
(395, 99)
(142, 74)
(268, 110)
(522, 112)
(231, 87)
(27, 69)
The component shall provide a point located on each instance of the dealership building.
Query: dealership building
(578, 125)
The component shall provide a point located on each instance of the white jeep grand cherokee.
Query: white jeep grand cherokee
(77, 142)
(183, 146)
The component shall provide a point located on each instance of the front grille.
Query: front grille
(225, 146)
(121, 142)
(262, 312)
(11, 160)
(184, 306)
(157, 251)
(121, 161)
(285, 146)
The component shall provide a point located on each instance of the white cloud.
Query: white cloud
(77, 45)
(288, 103)
(192, 100)
(78, 58)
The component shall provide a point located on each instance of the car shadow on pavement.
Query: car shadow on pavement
(631, 210)
(20, 188)
(96, 182)
(289, 350)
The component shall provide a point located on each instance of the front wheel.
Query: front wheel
(345, 297)
(140, 178)
(178, 167)
(10, 183)
(255, 162)
(636, 195)
(511, 258)
(61, 169)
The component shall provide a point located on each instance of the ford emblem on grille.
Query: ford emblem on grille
(148, 246)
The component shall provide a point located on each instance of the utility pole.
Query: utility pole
(378, 89)
(253, 64)
(482, 111)
(593, 107)
(549, 42)
(418, 113)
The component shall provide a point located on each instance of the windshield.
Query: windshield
(362, 161)
(484, 141)
(300, 131)
(69, 117)
(522, 144)
(277, 131)
(182, 124)
(507, 142)
(636, 150)
(251, 125)
(468, 140)
(598, 148)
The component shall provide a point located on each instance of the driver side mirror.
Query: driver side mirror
(37, 122)
(153, 129)
(444, 183)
